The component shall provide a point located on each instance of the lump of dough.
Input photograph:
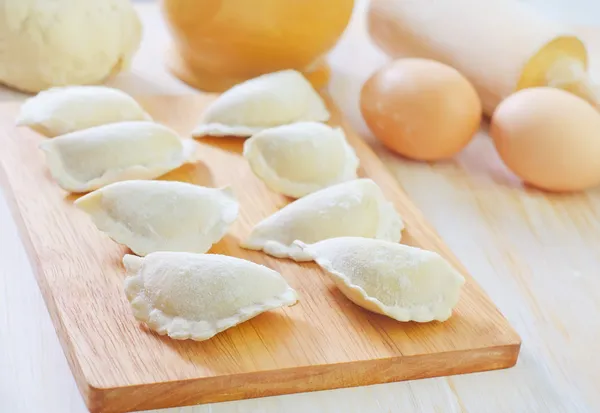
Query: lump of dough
(401, 282)
(355, 208)
(92, 158)
(269, 100)
(149, 216)
(301, 158)
(195, 296)
(68, 109)
(47, 43)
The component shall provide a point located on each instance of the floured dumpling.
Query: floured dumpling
(301, 158)
(68, 109)
(91, 158)
(199, 295)
(355, 208)
(150, 216)
(401, 282)
(269, 100)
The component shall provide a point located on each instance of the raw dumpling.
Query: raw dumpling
(91, 158)
(150, 216)
(68, 109)
(263, 102)
(355, 208)
(401, 282)
(301, 158)
(199, 295)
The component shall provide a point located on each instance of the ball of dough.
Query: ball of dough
(65, 42)
(549, 138)
(421, 109)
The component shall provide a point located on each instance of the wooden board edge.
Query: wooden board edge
(34, 261)
(298, 380)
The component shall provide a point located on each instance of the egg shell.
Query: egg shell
(549, 138)
(421, 109)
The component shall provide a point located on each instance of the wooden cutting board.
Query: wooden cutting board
(323, 342)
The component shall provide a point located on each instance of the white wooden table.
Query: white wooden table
(537, 256)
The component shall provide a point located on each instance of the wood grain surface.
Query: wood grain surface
(323, 342)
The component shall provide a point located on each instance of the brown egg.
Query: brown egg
(421, 109)
(549, 138)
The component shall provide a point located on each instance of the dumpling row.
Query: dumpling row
(353, 230)
(175, 288)
(105, 137)
(289, 149)
(353, 233)
(108, 145)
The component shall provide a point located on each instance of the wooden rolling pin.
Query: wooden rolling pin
(500, 45)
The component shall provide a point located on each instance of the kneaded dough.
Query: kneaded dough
(269, 100)
(301, 158)
(355, 208)
(401, 282)
(47, 43)
(62, 110)
(92, 158)
(195, 296)
(149, 216)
